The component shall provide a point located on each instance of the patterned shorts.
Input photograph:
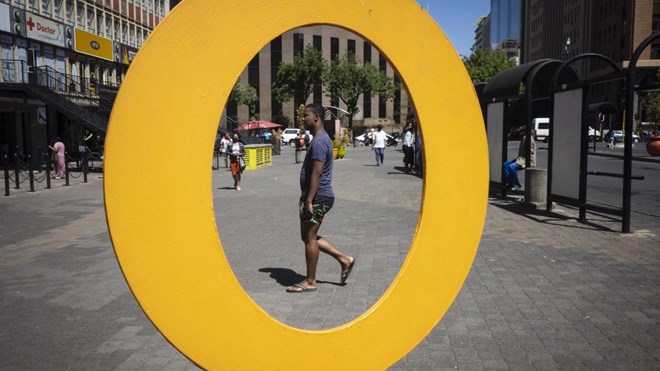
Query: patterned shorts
(320, 206)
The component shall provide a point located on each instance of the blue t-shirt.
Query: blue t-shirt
(320, 149)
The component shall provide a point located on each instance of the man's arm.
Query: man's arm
(314, 182)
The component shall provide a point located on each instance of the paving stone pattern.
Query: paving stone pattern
(544, 293)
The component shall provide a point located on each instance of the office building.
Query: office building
(333, 42)
(482, 33)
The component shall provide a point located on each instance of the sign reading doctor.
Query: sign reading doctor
(44, 30)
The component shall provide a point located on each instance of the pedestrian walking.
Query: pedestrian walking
(316, 201)
(225, 143)
(236, 161)
(379, 140)
(408, 149)
(58, 149)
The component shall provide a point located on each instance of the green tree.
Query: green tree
(483, 64)
(652, 106)
(296, 80)
(346, 79)
(245, 94)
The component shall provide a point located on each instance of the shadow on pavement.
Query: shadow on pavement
(283, 276)
(547, 217)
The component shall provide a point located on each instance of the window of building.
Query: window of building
(80, 14)
(655, 51)
(382, 102)
(124, 33)
(351, 46)
(366, 98)
(397, 100)
(298, 43)
(108, 26)
(46, 8)
(70, 12)
(99, 23)
(131, 35)
(117, 26)
(253, 78)
(318, 42)
(33, 6)
(58, 10)
(90, 19)
(334, 48)
(8, 68)
(318, 88)
(655, 26)
(275, 61)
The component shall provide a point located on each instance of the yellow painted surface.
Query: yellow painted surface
(256, 156)
(160, 209)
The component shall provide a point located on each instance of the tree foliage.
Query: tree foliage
(346, 79)
(652, 106)
(296, 80)
(245, 94)
(483, 64)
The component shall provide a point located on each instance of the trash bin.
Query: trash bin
(300, 155)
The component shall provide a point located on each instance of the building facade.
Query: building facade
(505, 22)
(482, 33)
(77, 52)
(333, 42)
(614, 28)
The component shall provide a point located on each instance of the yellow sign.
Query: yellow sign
(94, 45)
(164, 232)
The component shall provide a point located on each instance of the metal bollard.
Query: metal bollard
(6, 176)
(48, 170)
(17, 171)
(30, 173)
(84, 166)
(66, 170)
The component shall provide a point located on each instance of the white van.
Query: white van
(289, 136)
(542, 127)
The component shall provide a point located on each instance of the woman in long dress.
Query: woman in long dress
(58, 149)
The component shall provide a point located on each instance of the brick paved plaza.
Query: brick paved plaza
(545, 292)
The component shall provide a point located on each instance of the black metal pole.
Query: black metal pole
(17, 171)
(84, 166)
(30, 173)
(48, 174)
(6, 176)
(66, 170)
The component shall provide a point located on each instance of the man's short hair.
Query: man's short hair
(316, 108)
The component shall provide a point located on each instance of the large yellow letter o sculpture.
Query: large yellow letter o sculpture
(158, 184)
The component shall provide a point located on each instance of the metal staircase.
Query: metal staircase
(76, 98)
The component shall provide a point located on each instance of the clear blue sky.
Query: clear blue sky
(458, 19)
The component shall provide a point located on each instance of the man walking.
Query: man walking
(316, 200)
(379, 144)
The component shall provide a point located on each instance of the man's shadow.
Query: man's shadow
(287, 277)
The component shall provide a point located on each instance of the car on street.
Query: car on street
(542, 127)
(618, 136)
(289, 136)
(593, 134)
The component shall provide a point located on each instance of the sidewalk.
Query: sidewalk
(545, 292)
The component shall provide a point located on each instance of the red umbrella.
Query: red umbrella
(261, 124)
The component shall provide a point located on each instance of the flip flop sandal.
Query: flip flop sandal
(346, 272)
(299, 287)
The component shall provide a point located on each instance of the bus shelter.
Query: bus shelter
(513, 98)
